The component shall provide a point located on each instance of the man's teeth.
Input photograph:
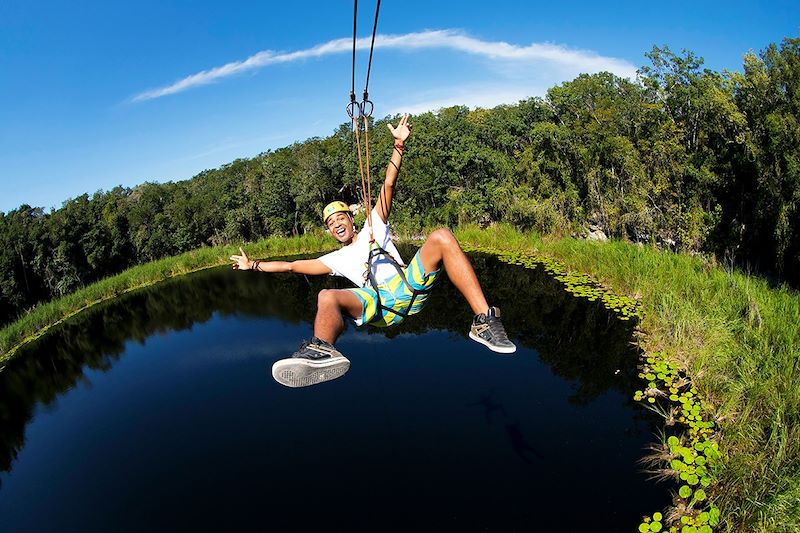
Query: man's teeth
(340, 231)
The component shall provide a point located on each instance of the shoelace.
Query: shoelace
(315, 353)
(497, 329)
(303, 345)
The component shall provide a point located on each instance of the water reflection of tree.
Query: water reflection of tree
(579, 340)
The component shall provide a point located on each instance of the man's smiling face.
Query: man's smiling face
(341, 227)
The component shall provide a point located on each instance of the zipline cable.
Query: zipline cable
(369, 63)
(351, 106)
(362, 106)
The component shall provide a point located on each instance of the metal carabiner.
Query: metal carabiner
(351, 110)
(366, 108)
(352, 107)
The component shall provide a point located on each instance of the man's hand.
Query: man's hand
(402, 131)
(241, 262)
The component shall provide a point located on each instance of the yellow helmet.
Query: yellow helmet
(334, 207)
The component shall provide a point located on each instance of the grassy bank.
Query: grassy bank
(736, 336)
(739, 340)
(38, 321)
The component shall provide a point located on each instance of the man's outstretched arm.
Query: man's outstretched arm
(400, 134)
(303, 266)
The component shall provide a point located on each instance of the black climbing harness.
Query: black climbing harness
(363, 110)
(376, 250)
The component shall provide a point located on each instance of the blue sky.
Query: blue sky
(98, 94)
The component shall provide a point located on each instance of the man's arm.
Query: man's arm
(303, 266)
(400, 134)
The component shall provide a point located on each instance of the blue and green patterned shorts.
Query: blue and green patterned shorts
(396, 294)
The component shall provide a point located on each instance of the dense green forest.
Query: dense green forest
(683, 157)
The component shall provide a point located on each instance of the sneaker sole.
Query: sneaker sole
(492, 347)
(295, 372)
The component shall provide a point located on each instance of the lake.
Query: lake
(157, 411)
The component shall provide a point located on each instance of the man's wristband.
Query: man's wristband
(254, 268)
(399, 147)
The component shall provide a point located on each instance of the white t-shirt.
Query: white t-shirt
(351, 261)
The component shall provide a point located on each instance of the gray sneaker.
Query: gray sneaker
(487, 329)
(315, 362)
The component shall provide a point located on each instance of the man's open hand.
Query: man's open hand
(403, 129)
(241, 262)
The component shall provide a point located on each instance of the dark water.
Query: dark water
(157, 412)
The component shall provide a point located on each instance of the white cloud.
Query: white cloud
(583, 60)
(552, 54)
(486, 97)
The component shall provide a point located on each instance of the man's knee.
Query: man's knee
(340, 302)
(443, 237)
(326, 298)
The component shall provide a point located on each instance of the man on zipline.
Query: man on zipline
(387, 292)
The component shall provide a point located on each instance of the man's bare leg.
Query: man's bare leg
(441, 247)
(331, 304)
(318, 361)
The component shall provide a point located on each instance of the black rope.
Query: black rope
(371, 47)
(365, 107)
(353, 77)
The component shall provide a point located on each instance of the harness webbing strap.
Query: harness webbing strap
(375, 251)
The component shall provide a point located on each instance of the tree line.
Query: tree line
(683, 157)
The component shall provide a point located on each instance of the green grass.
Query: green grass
(734, 335)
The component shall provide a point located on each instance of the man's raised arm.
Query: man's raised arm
(303, 266)
(400, 134)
